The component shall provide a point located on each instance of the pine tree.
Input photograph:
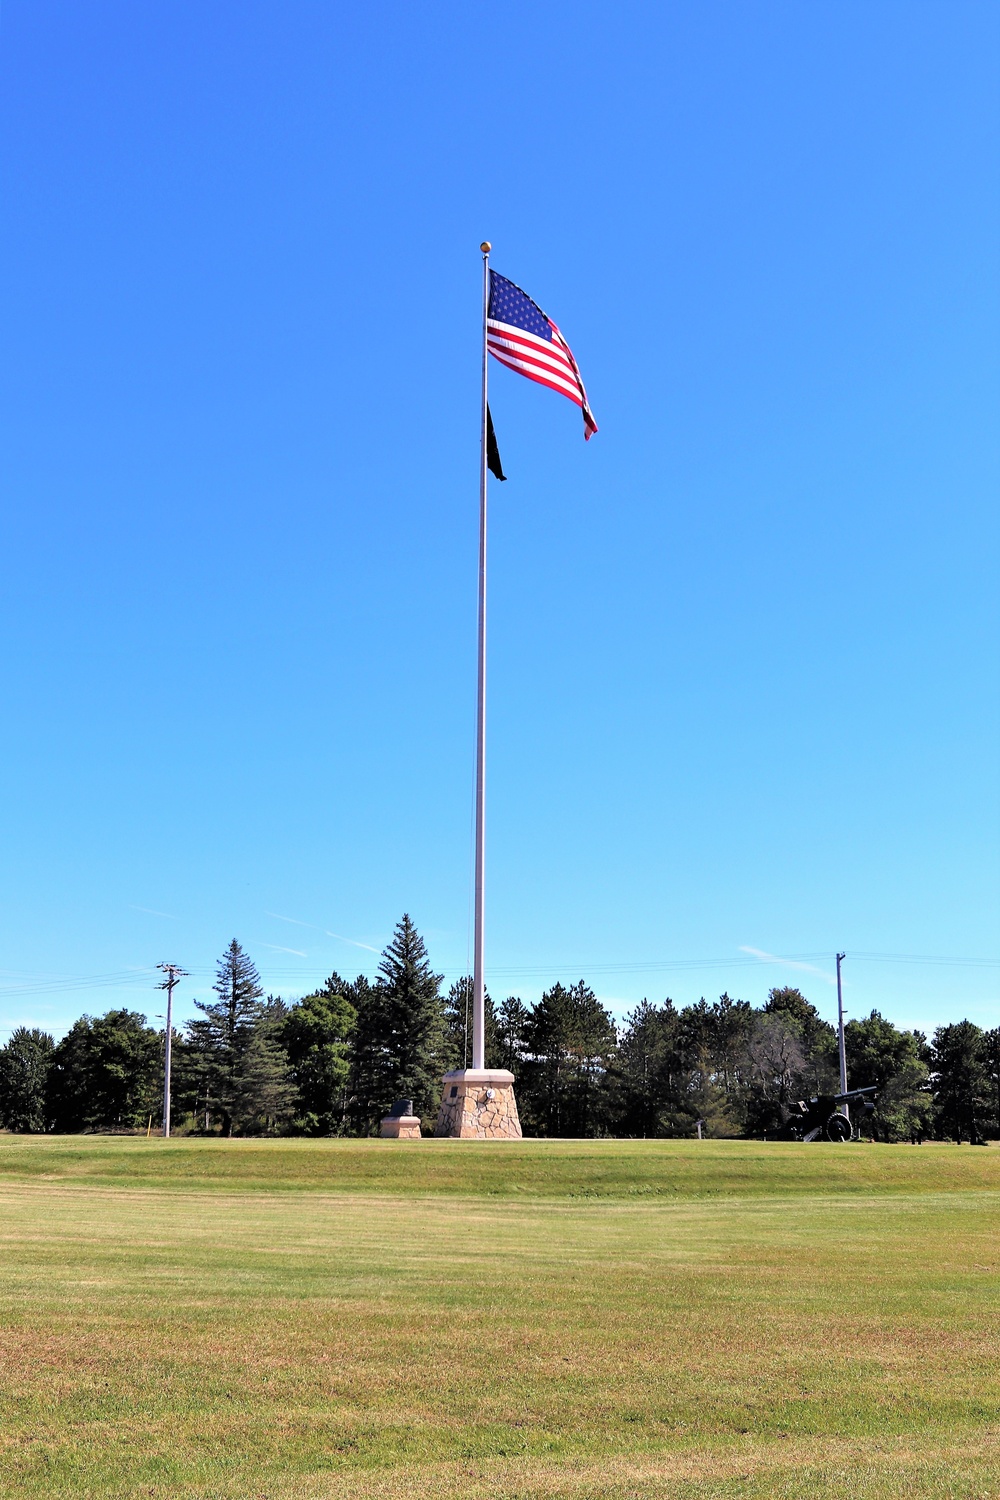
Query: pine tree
(732, 1028)
(706, 1099)
(511, 1020)
(569, 1040)
(372, 1060)
(643, 1076)
(962, 1092)
(265, 1095)
(221, 1039)
(991, 1043)
(415, 1038)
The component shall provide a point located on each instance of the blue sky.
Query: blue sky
(743, 644)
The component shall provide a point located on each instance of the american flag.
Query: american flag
(522, 337)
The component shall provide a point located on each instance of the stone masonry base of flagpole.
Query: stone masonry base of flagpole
(478, 1105)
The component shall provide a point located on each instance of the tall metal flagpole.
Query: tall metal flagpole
(478, 983)
(842, 1050)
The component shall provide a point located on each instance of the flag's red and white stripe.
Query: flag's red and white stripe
(550, 363)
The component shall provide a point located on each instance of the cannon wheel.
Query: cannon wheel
(838, 1128)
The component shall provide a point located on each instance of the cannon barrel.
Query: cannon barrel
(854, 1094)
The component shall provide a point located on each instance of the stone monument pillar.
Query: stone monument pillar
(478, 1105)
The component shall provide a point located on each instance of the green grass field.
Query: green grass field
(359, 1319)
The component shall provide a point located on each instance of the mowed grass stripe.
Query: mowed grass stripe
(287, 1343)
(587, 1169)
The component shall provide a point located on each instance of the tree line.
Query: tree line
(333, 1062)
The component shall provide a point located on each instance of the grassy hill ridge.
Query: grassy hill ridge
(538, 1168)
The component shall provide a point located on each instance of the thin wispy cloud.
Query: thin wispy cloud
(151, 913)
(788, 963)
(297, 922)
(274, 947)
(353, 942)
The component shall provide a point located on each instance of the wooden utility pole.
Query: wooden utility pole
(173, 972)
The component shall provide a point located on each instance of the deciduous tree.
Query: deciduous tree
(817, 1037)
(24, 1068)
(106, 1074)
(316, 1035)
(778, 1059)
(895, 1062)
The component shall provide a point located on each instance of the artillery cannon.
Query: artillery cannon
(820, 1118)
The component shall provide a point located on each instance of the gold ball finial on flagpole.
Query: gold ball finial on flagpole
(486, 247)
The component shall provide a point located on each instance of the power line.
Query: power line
(25, 985)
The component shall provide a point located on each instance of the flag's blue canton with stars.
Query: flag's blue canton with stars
(508, 304)
(520, 335)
